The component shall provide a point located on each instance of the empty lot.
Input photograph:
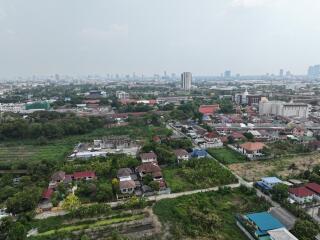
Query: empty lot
(284, 167)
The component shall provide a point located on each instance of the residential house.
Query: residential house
(181, 155)
(124, 174)
(47, 194)
(314, 187)
(56, 178)
(214, 143)
(252, 149)
(148, 157)
(301, 194)
(127, 186)
(199, 153)
(267, 183)
(210, 135)
(86, 175)
(237, 136)
(148, 168)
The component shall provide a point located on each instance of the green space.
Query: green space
(93, 225)
(226, 155)
(16, 154)
(197, 174)
(209, 215)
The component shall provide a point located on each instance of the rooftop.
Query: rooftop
(313, 187)
(301, 191)
(253, 146)
(264, 221)
(271, 180)
(281, 234)
(149, 155)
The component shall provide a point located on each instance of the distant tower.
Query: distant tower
(186, 81)
(281, 73)
(227, 74)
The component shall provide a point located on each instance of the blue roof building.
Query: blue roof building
(271, 181)
(199, 153)
(263, 222)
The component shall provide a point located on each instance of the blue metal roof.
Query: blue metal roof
(264, 221)
(264, 186)
(198, 152)
(271, 180)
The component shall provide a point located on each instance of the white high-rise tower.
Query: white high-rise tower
(186, 81)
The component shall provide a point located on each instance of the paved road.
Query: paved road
(175, 195)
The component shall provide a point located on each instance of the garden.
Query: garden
(226, 155)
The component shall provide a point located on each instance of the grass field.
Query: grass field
(23, 151)
(208, 215)
(226, 155)
(197, 174)
(100, 223)
(282, 167)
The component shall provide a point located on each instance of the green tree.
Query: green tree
(104, 192)
(17, 232)
(305, 230)
(248, 135)
(71, 203)
(24, 201)
(155, 185)
(280, 192)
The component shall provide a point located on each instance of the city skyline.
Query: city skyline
(147, 37)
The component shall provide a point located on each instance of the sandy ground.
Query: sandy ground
(254, 170)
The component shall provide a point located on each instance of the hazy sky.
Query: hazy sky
(150, 36)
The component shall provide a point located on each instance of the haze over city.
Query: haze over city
(142, 36)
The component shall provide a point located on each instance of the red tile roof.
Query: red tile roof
(253, 146)
(301, 192)
(208, 109)
(47, 194)
(237, 135)
(127, 184)
(211, 135)
(148, 168)
(313, 187)
(85, 174)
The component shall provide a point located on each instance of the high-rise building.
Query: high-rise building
(227, 74)
(281, 73)
(280, 108)
(314, 71)
(186, 81)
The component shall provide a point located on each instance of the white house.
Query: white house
(182, 155)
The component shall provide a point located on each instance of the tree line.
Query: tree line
(47, 125)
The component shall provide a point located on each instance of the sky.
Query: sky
(205, 37)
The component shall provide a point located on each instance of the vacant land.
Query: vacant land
(226, 155)
(283, 167)
(197, 174)
(208, 215)
(17, 153)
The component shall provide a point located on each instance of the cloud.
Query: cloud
(251, 3)
(112, 31)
